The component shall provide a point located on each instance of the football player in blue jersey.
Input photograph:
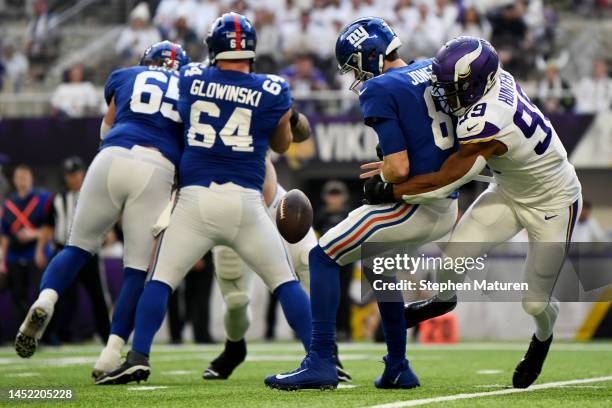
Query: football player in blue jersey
(132, 178)
(415, 137)
(232, 116)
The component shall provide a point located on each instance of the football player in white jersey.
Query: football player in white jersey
(535, 187)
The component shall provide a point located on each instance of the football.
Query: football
(294, 216)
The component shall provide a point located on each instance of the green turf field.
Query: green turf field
(444, 371)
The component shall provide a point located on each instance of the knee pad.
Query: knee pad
(533, 307)
(236, 300)
(228, 265)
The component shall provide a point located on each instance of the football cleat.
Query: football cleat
(529, 368)
(419, 311)
(343, 375)
(32, 328)
(313, 373)
(398, 375)
(136, 367)
(232, 356)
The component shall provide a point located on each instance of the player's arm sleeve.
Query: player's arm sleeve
(380, 112)
(111, 87)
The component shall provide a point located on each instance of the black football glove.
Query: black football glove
(376, 191)
(379, 152)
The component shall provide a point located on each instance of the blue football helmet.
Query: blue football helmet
(362, 47)
(165, 54)
(231, 37)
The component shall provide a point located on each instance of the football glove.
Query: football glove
(376, 191)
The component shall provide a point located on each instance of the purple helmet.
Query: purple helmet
(463, 70)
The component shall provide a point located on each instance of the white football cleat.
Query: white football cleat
(33, 327)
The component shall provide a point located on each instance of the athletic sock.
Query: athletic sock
(545, 321)
(150, 314)
(296, 307)
(125, 307)
(324, 299)
(237, 321)
(63, 269)
(394, 327)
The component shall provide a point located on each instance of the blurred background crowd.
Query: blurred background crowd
(560, 49)
(55, 57)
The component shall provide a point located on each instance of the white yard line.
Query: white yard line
(416, 402)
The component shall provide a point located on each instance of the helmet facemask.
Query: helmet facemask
(451, 96)
(354, 64)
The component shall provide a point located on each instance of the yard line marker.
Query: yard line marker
(178, 372)
(414, 403)
(488, 372)
(147, 388)
(23, 374)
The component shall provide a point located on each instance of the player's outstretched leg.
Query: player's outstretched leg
(318, 369)
(60, 274)
(122, 322)
(421, 310)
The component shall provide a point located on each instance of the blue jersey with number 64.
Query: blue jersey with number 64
(402, 96)
(146, 112)
(229, 117)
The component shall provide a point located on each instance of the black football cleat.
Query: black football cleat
(136, 367)
(232, 356)
(343, 375)
(529, 368)
(419, 311)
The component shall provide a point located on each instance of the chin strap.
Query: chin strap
(448, 189)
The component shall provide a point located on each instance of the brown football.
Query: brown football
(294, 216)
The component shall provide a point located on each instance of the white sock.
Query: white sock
(115, 343)
(545, 321)
(48, 296)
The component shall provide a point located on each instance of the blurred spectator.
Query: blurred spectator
(447, 11)
(205, 14)
(426, 35)
(306, 35)
(470, 23)
(182, 34)
(510, 37)
(303, 76)
(554, 93)
(139, 35)
(5, 185)
(23, 213)
(168, 10)
(42, 38)
(268, 40)
(594, 93)
(335, 197)
(588, 229)
(15, 68)
(75, 98)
